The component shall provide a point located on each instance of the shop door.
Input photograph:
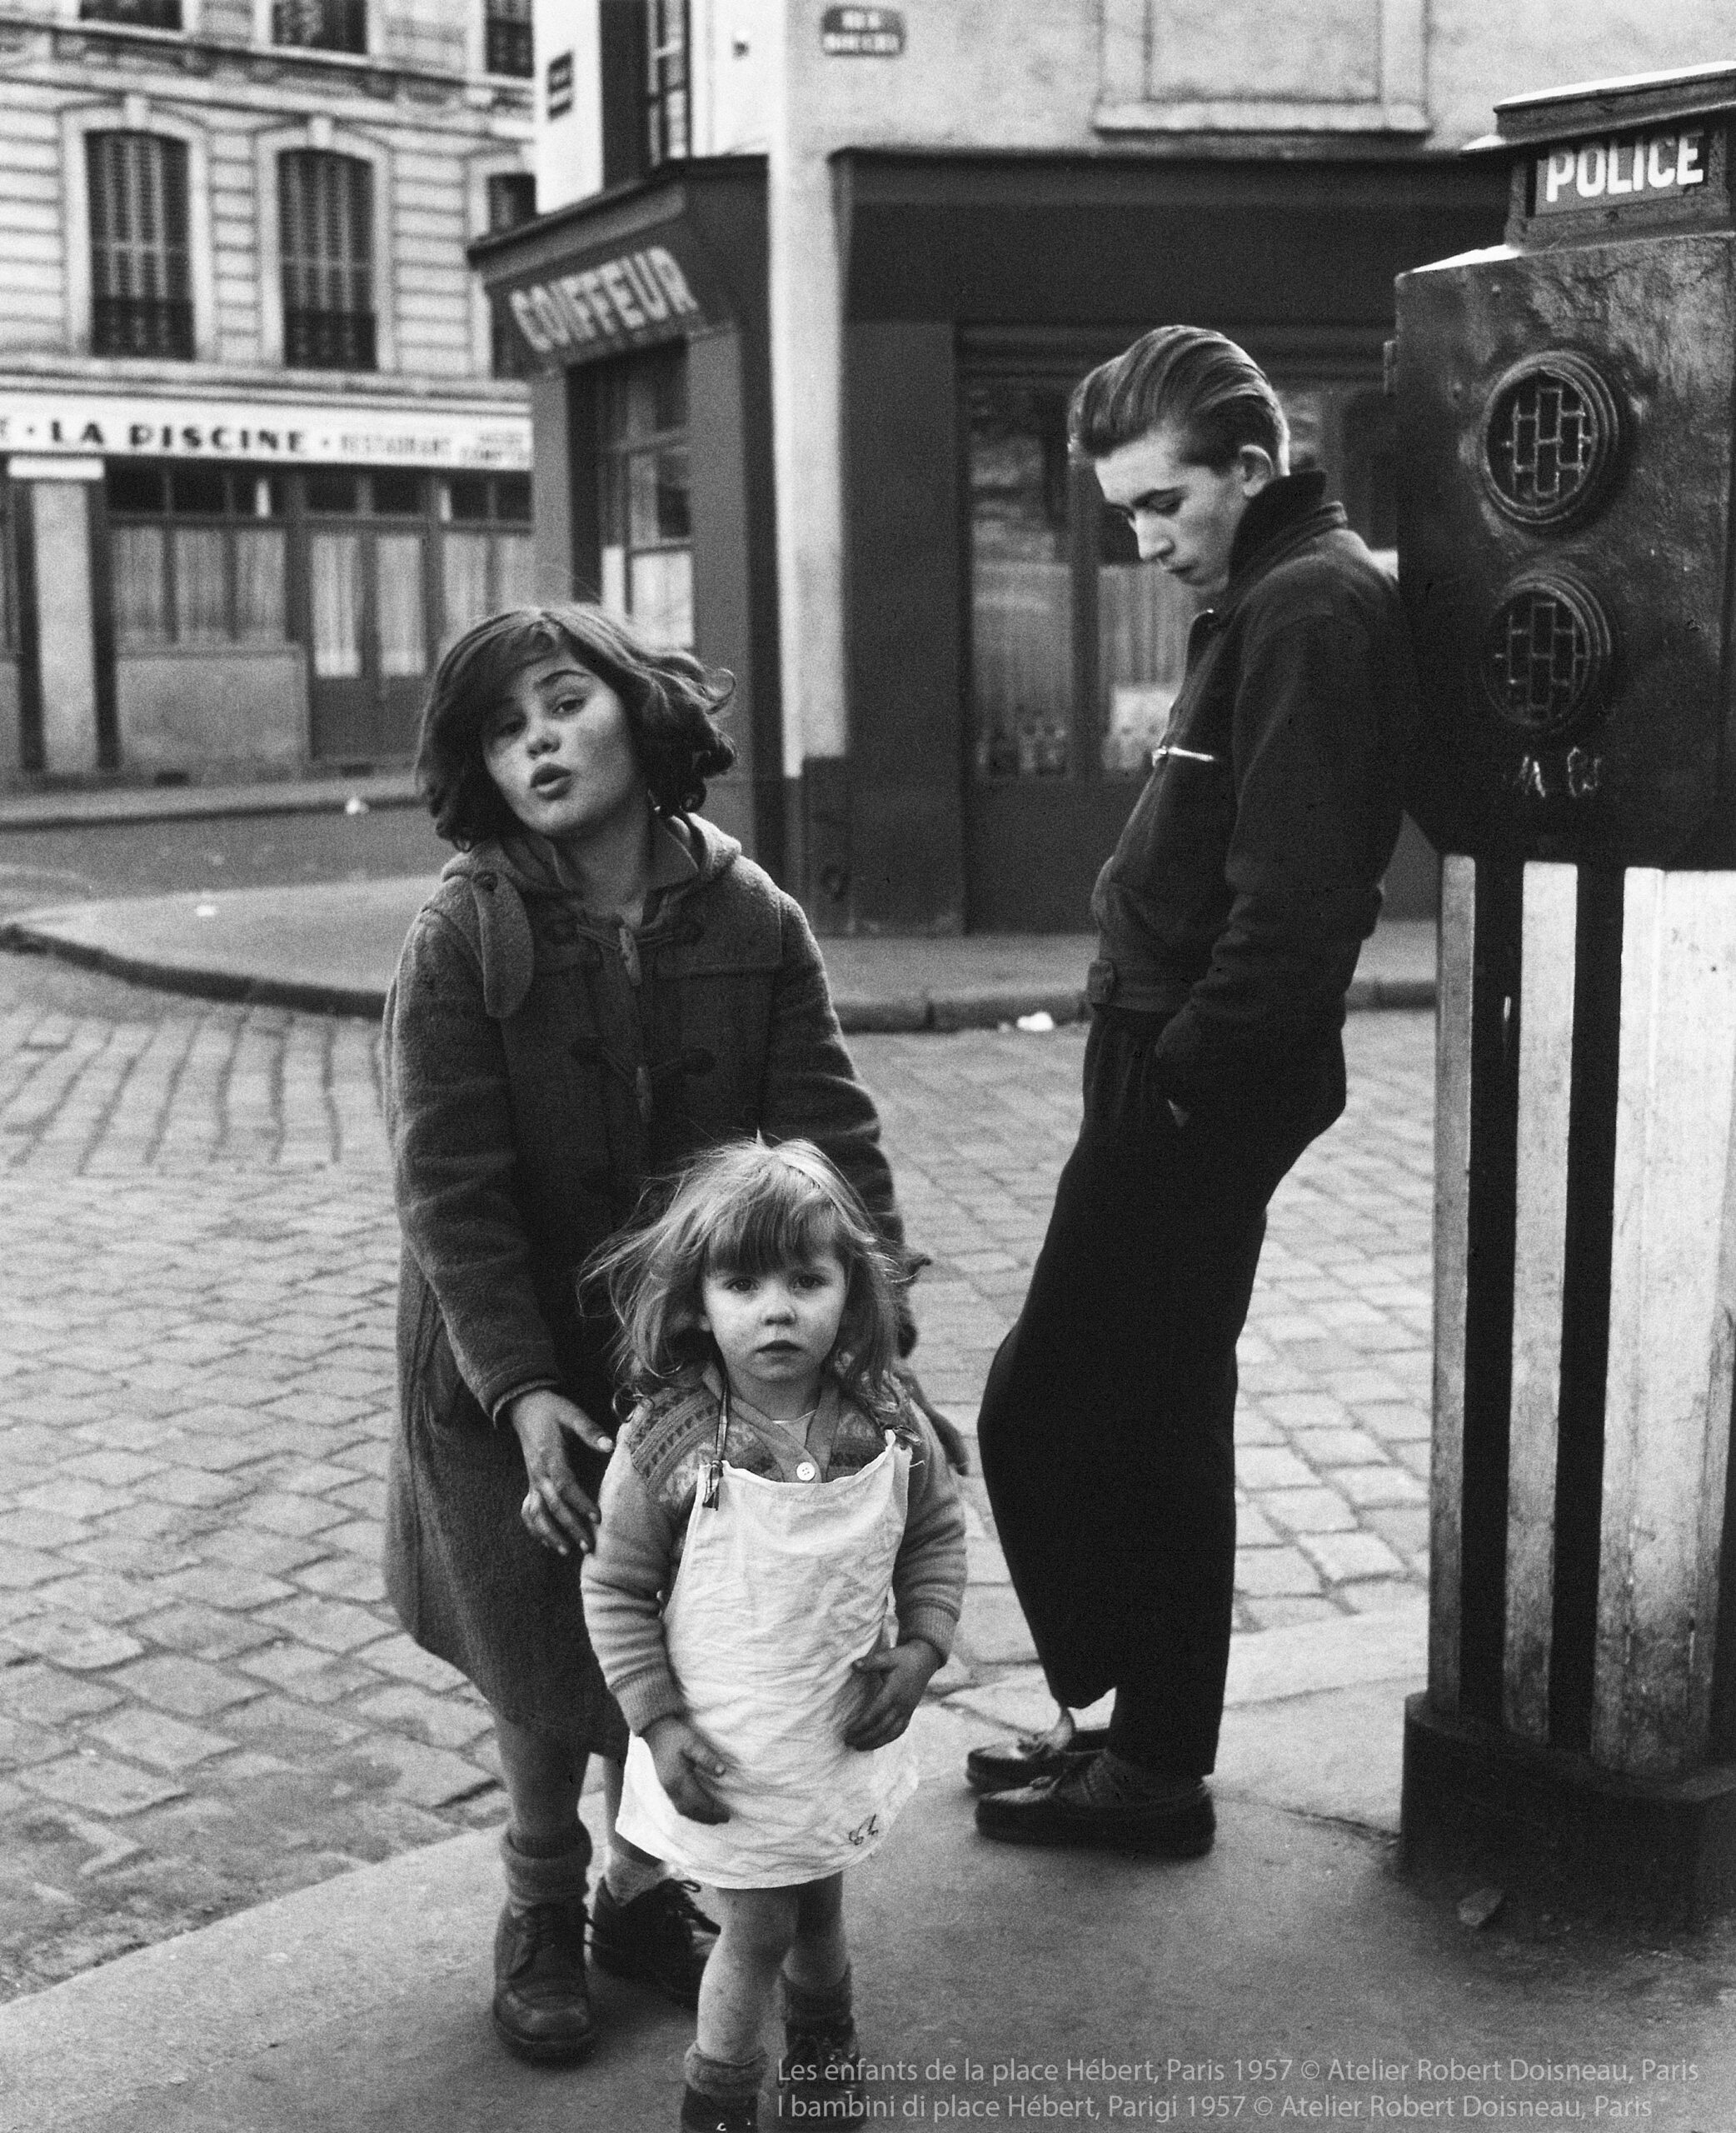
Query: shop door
(1047, 788)
(367, 614)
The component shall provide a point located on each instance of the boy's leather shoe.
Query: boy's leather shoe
(999, 1769)
(704, 2114)
(1071, 1810)
(661, 1938)
(820, 2075)
(541, 1995)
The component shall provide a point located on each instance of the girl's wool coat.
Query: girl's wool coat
(540, 1067)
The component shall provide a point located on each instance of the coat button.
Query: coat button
(807, 1471)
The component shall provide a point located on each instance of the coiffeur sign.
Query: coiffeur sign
(625, 301)
(130, 426)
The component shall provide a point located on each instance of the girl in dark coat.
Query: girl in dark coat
(600, 985)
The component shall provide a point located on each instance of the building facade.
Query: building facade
(809, 292)
(262, 449)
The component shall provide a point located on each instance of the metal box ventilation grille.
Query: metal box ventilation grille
(1551, 437)
(1546, 654)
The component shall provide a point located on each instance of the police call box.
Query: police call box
(1565, 409)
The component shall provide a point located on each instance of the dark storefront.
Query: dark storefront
(1010, 663)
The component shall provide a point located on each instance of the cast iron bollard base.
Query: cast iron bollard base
(1480, 1803)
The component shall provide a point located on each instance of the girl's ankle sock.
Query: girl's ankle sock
(730, 2080)
(805, 2004)
(628, 1877)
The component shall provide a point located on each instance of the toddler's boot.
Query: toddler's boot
(820, 2078)
(722, 2095)
(541, 1995)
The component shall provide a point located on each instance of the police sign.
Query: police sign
(1620, 169)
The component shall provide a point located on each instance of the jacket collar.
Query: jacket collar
(687, 852)
(1285, 514)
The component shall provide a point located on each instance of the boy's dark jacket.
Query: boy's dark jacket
(1248, 876)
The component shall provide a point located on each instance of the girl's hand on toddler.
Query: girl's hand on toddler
(556, 1510)
(687, 1764)
(905, 1672)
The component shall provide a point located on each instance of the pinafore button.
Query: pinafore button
(807, 1471)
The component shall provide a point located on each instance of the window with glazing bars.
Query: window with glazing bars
(507, 33)
(668, 134)
(512, 200)
(141, 14)
(326, 206)
(321, 25)
(141, 295)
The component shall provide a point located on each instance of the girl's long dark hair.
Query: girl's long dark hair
(672, 704)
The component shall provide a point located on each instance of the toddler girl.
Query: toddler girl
(772, 1461)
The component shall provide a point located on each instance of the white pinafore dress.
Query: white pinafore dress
(782, 1585)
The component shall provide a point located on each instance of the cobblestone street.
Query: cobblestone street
(205, 1702)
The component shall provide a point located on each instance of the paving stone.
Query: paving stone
(227, 1584)
(1344, 1555)
(21, 1742)
(149, 1736)
(418, 1775)
(332, 1625)
(203, 1632)
(408, 1661)
(1260, 1468)
(292, 1729)
(291, 1515)
(319, 1678)
(84, 1648)
(49, 1696)
(1305, 1510)
(94, 1785)
(1370, 1485)
(447, 1721)
(189, 1687)
(1264, 1573)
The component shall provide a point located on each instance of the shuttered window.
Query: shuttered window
(512, 200)
(321, 25)
(325, 211)
(506, 32)
(667, 44)
(141, 14)
(140, 294)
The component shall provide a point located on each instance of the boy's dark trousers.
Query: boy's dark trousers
(1107, 1430)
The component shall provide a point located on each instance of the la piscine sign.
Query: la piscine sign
(125, 426)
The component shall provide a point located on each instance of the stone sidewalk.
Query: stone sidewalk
(205, 1702)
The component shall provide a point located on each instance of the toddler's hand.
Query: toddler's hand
(905, 1672)
(687, 1767)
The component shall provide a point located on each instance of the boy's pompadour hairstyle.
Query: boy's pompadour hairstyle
(1210, 391)
(748, 1208)
(672, 701)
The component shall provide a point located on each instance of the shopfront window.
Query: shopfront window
(141, 288)
(197, 555)
(1021, 582)
(647, 534)
(488, 554)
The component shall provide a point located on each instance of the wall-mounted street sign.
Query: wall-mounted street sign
(862, 32)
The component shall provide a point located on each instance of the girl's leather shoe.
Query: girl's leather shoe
(541, 1995)
(999, 1769)
(820, 2075)
(704, 2114)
